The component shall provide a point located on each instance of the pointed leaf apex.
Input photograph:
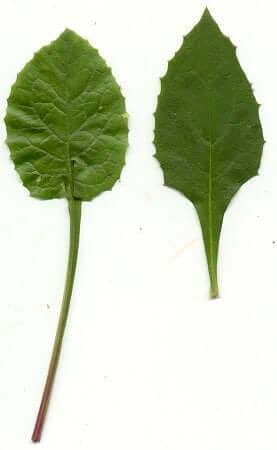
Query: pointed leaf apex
(206, 16)
(206, 12)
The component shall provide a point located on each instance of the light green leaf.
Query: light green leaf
(208, 135)
(67, 132)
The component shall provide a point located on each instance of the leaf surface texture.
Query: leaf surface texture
(208, 134)
(66, 122)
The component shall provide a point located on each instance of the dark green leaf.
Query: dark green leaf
(208, 135)
(66, 122)
(67, 133)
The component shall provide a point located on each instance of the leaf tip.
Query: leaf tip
(69, 31)
(206, 12)
(207, 15)
(68, 34)
(207, 20)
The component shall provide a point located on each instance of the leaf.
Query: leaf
(66, 122)
(208, 135)
(67, 133)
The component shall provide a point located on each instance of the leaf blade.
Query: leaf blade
(208, 135)
(66, 127)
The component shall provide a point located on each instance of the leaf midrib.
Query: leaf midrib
(210, 183)
(69, 157)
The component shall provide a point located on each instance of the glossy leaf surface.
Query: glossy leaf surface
(208, 135)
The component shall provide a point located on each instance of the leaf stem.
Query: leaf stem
(75, 220)
(214, 285)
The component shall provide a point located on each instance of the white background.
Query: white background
(148, 363)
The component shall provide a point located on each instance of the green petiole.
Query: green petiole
(75, 207)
